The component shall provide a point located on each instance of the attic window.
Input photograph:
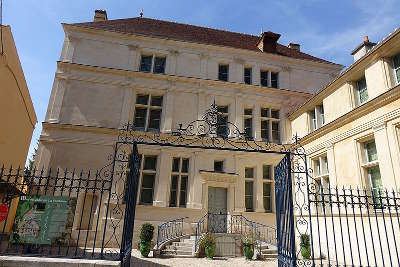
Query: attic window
(223, 72)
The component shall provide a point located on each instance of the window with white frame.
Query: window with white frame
(270, 128)
(222, 117)
(247, 75)
(148, 110)
(223, 72)
(249, 188)
(321, 177)
(150, 63)
(371, 167)
(317, 117)
(248, 122)
(361, 91)
(267, 187)
(179, 182)
(396, 68)
(148, 170)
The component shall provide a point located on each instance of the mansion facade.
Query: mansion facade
(160, 74)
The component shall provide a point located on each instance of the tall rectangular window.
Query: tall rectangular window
(248, 122)
(371, 167)
(247, 75)
(265, 124)
(370, 151)
(148, 110)
(179, 182)
(317, 117)
(267, 187)
(264, 78)
(361, 91)
(159, 65)
(396, 68)
(147, 64)
(270, 129)
(223, 72)
(222, 117)
(274, 79)
(249, 185)
(148, 170)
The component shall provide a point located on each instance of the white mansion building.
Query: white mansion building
(159, 74)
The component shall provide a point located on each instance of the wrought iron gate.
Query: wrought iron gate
(284, 213)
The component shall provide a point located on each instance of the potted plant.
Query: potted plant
(305, 247)
(208, 242)
(146, 235)
(248, 246)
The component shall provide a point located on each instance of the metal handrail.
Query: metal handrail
(170, 230)
(238, 224)
(199, 227)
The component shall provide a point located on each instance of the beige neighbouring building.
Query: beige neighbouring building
(159, 74)
(17, 115)
(350, 130)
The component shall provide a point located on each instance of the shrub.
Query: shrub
(146, 232)
(208, 243)
(305, 246)
(146, 235)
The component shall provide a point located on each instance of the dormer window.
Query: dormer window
(223, 72)
(361, 91)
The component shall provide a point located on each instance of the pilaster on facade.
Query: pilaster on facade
(134, 57)
(259, 199)
(196, 186)
(127, 105)
(384, 155)
(239, 113)
(168, 110)
(162, 180)
(330, 155)
(71, 43)
(172, 62)
(240, 186)
(257, 122)
(56, 99)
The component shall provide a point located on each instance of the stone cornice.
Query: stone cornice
(127, 76)
(376, 123)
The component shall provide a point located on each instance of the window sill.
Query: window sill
(322, 176)
(370, 164)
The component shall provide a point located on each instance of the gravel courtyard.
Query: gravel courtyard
(138, 260)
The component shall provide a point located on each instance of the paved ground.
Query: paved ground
(138, 260)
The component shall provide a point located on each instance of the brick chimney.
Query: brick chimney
(294, 46)
(362, 48)
(100, 15)
(267, 42)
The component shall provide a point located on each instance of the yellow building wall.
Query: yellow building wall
(17, 114)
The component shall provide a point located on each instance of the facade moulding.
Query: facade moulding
(169, 78)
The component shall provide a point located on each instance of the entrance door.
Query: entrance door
(217, 209)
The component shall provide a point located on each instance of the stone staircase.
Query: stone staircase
(180, 249)
(268, 252)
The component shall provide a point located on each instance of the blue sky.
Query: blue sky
(328, 29)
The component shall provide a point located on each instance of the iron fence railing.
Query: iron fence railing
(235, 224)
(170, 230)
(351, 226)
(55, 213)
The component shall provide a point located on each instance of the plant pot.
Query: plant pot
(248, 251)
(210, 251)
(305, 252)
(144, 248)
